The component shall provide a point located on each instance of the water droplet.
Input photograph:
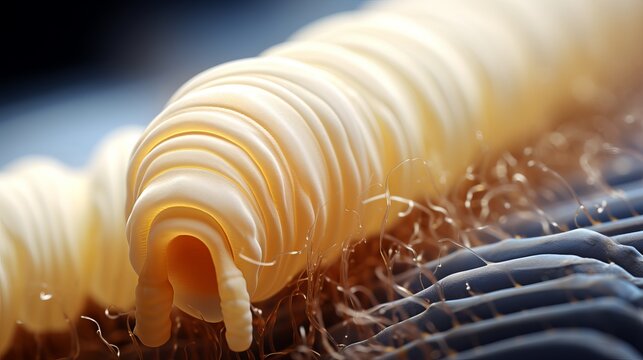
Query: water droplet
(518, 177)
(257, 310)
(600, 208)
(468, 286)
(45, 296)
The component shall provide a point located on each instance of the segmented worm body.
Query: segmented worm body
(258, 166)
(62, 239)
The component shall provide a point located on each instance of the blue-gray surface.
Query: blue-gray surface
(577, 294)
(580, 293)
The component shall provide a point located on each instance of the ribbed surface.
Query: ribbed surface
(62, 239)
(529, 287)
(575, 293)
(277, 153)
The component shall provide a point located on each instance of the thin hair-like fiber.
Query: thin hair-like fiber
(326, 215)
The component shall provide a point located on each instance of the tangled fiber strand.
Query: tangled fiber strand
(349, 290)
(299, 296)
(262, 169)
(327, 308)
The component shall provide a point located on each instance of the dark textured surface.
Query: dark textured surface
(576, 294)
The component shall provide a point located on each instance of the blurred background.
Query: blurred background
(71, 71)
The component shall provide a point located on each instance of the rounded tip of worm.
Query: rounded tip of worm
(153, 308)
(237, 316)
(239, 343)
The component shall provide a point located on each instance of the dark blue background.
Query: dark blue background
(73, 72)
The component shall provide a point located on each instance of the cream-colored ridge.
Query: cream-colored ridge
(62, 239)
(258, 166)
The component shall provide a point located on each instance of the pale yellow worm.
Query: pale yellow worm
(45, 219)
(62, 239)
(258, 166)
(113, 279)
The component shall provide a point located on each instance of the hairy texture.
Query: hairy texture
(490, 304)
(261, 168)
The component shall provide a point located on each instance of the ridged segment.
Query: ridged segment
(276, 154)
(62, 239)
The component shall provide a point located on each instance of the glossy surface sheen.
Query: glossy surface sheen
(530, 288)
(267, 161)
